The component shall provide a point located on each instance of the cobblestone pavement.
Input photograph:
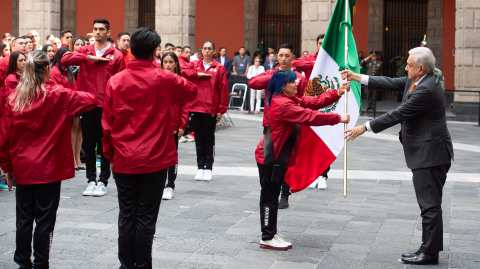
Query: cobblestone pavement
(216, 224)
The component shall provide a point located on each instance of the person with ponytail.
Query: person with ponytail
(35, 151)
(139, 145)
(179, 116)
(286, 112)
(15, 69)
(209, 106)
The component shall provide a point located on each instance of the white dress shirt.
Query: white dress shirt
(364, 81)
(206, 65)
(222, 60)
(102, 51)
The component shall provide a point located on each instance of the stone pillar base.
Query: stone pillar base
(466, 111)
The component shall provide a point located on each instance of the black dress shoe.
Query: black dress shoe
(82, 168)
(410, 254)
(422, 258)
(77, 169)
(283, 202)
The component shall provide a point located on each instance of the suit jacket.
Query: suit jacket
(266, 65)
(228, 64)
(424, 133)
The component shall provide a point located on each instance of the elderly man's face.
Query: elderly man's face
(414, 72)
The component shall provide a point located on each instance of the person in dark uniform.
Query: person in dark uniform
(400, 63)
(374, 67)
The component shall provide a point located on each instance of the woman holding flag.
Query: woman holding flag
(278, 148)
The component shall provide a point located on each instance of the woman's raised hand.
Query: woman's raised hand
(345, 118)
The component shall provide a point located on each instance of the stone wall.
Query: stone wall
(131, 16)
(69, 16)
(250, 32)
(375, 25)
(435, 29)
(175, 21)
(467, 59)
(15, 11)
(315, 18)
(40, 15)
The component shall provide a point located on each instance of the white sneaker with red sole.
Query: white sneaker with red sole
(274, 244)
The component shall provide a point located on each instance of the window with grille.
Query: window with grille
(146, 14)
(405, 24)
(279, 22)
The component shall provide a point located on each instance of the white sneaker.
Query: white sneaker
(100, 190)
(167, 193)
(283, 241)
(199, 175)
(313, 185)
(274, 244)
(322, 183)
(207, 175)
(190, 138)
(182, 140)
(90, 189)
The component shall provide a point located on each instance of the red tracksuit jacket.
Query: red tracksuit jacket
(183, 61)
(261, 82)
(305, 64)
(136, 117)
(212, 97)
(94, 75)
(6, 90)
(36, 144)
(61, 78)
(286, 112)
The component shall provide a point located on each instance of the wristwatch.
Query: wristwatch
(365, 125)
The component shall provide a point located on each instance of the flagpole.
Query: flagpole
(345, 106)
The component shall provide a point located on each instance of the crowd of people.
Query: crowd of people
(128, 105)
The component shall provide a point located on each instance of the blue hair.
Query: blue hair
(278, 80)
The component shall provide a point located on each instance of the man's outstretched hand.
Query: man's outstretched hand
(353, 133)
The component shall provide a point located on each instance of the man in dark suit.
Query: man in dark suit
(270, 62)
(225, 61)
(425, 138)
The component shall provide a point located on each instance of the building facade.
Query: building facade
(389, 26)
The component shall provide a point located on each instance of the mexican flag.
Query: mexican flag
(321, 145)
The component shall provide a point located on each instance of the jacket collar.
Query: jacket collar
(184, 58)
(139, 64)
(91, 49)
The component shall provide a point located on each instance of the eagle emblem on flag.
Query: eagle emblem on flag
(317, 86)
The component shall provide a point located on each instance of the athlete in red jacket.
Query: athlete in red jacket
(59, 74)
(209, 106)
(35, 150)
(139, 144)
(305, 64)
(18, 44)
(98, 63)
(179, 116)
(287, 110)
(184, 58)
(15, 69)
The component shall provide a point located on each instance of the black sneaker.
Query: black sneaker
(283, 202)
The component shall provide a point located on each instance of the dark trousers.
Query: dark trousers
(268, 204)
(37, 203)
(139, 197)
(285, 187)
(428, 184)
(204, 129)
(172, 170)
(371, 96)
(92, 133)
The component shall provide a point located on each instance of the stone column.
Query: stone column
(131, 16)
(15, 11)
(250, 32)
(435, 29)
(175, 22)
(315, 18)
(375, 25)
(40, 15)
(467, 59)
(69, 16)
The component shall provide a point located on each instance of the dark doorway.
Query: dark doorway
(279, 22)
(405, 24)
(146, 14)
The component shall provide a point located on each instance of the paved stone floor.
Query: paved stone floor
(216, 224)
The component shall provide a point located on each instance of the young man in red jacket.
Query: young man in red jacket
(209, 106)
(285, 58)
(305, 64)
(98, 62)
(139, 144)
